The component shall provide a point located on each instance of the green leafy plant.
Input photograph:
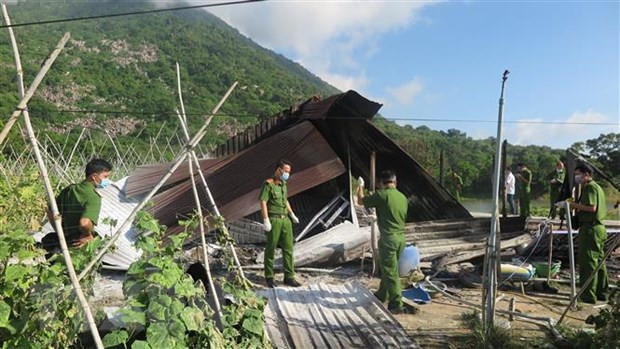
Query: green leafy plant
(168, 309)
(38, 307)
(22, 202)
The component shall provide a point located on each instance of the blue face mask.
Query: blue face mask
(104, 183)
(285, 176)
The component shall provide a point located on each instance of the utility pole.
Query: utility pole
(503, 180)
(492, 255)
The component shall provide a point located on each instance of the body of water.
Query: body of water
(485, 205)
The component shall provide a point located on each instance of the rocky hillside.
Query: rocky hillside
(126, 65)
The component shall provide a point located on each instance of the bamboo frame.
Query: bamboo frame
(41, 164)
(176, 163)
(203, 241)
(21, 106)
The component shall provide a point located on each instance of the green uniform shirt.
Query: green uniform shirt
(275, 195)
(391, 207)
(77, 201)
(593, 195)
(559, 180)
(527, 179)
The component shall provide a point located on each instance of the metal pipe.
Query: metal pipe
(571, 250)
(493, 244)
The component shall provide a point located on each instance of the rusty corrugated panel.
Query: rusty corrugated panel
(342, 120)
(428, 199)
(331, 316)
(145, 177)
(345, 105)
(235, 184)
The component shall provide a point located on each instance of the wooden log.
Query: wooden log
(465, 256)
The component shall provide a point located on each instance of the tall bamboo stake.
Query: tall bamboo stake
(214, 206)
(179, 159)
(203, 240)
(33, 87)
(46, 181)
(185, 128)
(68, 162)
(118, 153)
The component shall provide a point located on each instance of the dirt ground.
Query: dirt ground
(438, 324)
(435, 325)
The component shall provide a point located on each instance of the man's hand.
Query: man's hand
(266, 225)
(360, 181)
(293, 218)
(82, 241)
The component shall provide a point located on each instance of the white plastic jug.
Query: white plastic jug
(409, 260)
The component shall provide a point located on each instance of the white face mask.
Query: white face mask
(578, 179)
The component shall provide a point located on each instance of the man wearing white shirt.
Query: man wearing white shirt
(510, 190)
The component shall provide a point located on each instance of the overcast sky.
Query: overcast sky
(444, 60)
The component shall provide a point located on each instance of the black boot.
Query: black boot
(270, 283)
(292, 282)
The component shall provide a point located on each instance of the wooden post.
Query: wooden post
(441, 169)
(173, 167)
(90, 320)
(374, 230)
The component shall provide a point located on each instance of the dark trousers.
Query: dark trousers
(511, 203)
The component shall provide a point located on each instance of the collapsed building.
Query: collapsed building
(328, 142)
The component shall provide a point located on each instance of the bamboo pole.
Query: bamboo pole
(203, 241)
(179, 159)
(214, 206)
(118, 153)
(46, 181)
(184, 126)
(68, 162)
(21, 106)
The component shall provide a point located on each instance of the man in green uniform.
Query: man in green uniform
(391, 207)
(556, 179)
(79, 205)
(524, 180)
(592, 235)
(456, 185)
(276, 211)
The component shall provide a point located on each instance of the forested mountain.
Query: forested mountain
(127, 64)
(117, 75)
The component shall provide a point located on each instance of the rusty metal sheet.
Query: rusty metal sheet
(345, 105)
(428, 200)
(145, 177)
(236, 181)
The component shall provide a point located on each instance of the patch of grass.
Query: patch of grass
(499, 337)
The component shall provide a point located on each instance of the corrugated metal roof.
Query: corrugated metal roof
(116, 205)
(359, 138)
(331, 316)
(235, 182)
(343, 121)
